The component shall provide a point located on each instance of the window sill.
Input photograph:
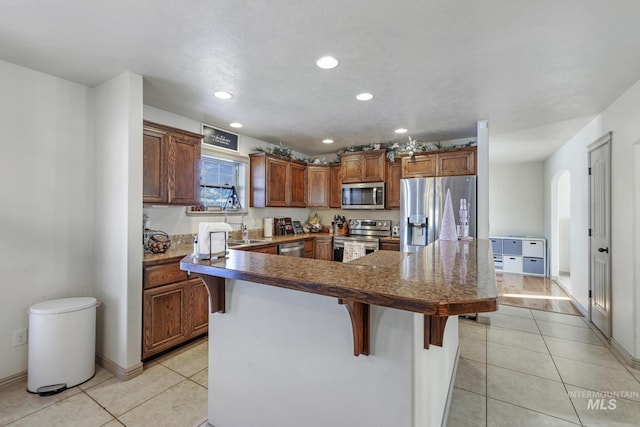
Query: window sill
(189, 212)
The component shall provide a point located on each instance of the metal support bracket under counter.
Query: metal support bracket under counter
(443, 279)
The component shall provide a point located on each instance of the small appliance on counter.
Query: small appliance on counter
(395, 230)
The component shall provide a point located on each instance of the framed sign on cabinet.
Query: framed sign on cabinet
(219, 138)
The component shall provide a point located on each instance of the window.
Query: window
(219, 183)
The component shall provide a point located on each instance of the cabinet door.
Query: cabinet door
(298, 185)
(323, 248)
(335, 192)
(154, 170)
(394, 171)
(309, 248)
(267, 250)
(351, 168)
(318, 181)
(373, 166)
(423, 165)
(184, 170)
(455, 163)
(164, 318)
(198, 308)
(276, 182)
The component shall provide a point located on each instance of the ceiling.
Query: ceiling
(537, 70)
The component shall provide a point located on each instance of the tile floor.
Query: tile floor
(172, 391)
(539, 368)
(527, 368)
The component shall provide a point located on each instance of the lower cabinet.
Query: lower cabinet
(175, 308)
(390, 244)
(323, 248)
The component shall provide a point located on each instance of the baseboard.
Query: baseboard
(576, 304)
(121, 373)
(624, 354)
(13, 379)
(452, 383)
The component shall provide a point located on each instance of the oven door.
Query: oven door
(370, 245)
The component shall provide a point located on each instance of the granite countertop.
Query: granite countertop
(185, 247)
(442, 279)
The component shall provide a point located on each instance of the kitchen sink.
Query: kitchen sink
(231, 243)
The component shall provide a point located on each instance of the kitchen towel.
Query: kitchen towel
(217, 231)
(353, 250)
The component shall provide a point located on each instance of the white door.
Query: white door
(600, 229)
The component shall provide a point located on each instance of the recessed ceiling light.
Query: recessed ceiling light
(235, 125)
(400, 130)
(328, 141)
(222, 94)
(364, 96)
(327, 62)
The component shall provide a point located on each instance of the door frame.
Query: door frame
(603, 140)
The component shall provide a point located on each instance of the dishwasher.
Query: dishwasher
(291, 249)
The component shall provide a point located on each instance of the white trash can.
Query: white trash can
(62, 344)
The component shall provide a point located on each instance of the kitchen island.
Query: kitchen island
(280, 345)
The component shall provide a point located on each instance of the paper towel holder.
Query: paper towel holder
(217, 255)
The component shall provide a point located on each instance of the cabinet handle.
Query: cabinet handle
(532, 243)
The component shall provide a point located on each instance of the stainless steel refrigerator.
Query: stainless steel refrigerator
(422, 202)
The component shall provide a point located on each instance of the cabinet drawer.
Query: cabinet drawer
(533, 265)
(158, 275)
(512, 246)
(496, 245)
(533, 248)
(498, 264)
(512, 264)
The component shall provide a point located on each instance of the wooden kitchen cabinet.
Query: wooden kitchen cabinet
(175, 308)
(171, 165)
(363, 166)
(277, 182)
(453, 162)
(323, 248)
(318, 186)
(335, 186)
(267, 250)
(394, 173)
(309, 248)
(460, 161)
(390, 244)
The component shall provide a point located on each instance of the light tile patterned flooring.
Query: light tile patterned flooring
(539, 368)
(518, 371)
(172, 391)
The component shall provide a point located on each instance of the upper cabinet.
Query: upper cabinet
(453, 162)
(171, 165)
(277, 182)
(363, 166)
(318, 186)
(394, 173)
(335, 192)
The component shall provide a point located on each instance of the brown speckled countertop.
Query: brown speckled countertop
(185, 247)
(443, 279)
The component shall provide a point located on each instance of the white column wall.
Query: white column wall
(118, 218)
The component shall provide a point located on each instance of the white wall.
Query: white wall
(118, 218)
(621, 117)
(564, 222)
(47, 194)
(516, 197)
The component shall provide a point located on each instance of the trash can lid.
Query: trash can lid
(63, 305)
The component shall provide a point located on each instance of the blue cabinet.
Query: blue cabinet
(512, 246)
(533, 265)
(496, 245)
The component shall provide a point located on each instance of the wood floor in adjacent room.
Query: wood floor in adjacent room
(538, 293)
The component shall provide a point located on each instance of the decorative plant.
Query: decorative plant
(277, 151)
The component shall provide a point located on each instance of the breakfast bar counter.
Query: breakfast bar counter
(278, 336)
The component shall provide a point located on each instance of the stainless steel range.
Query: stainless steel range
(367, 231)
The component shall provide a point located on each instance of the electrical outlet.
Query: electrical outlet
(19, 337)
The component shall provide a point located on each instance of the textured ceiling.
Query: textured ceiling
(537, 70)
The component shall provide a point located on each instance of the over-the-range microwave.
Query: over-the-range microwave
(365, 195)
